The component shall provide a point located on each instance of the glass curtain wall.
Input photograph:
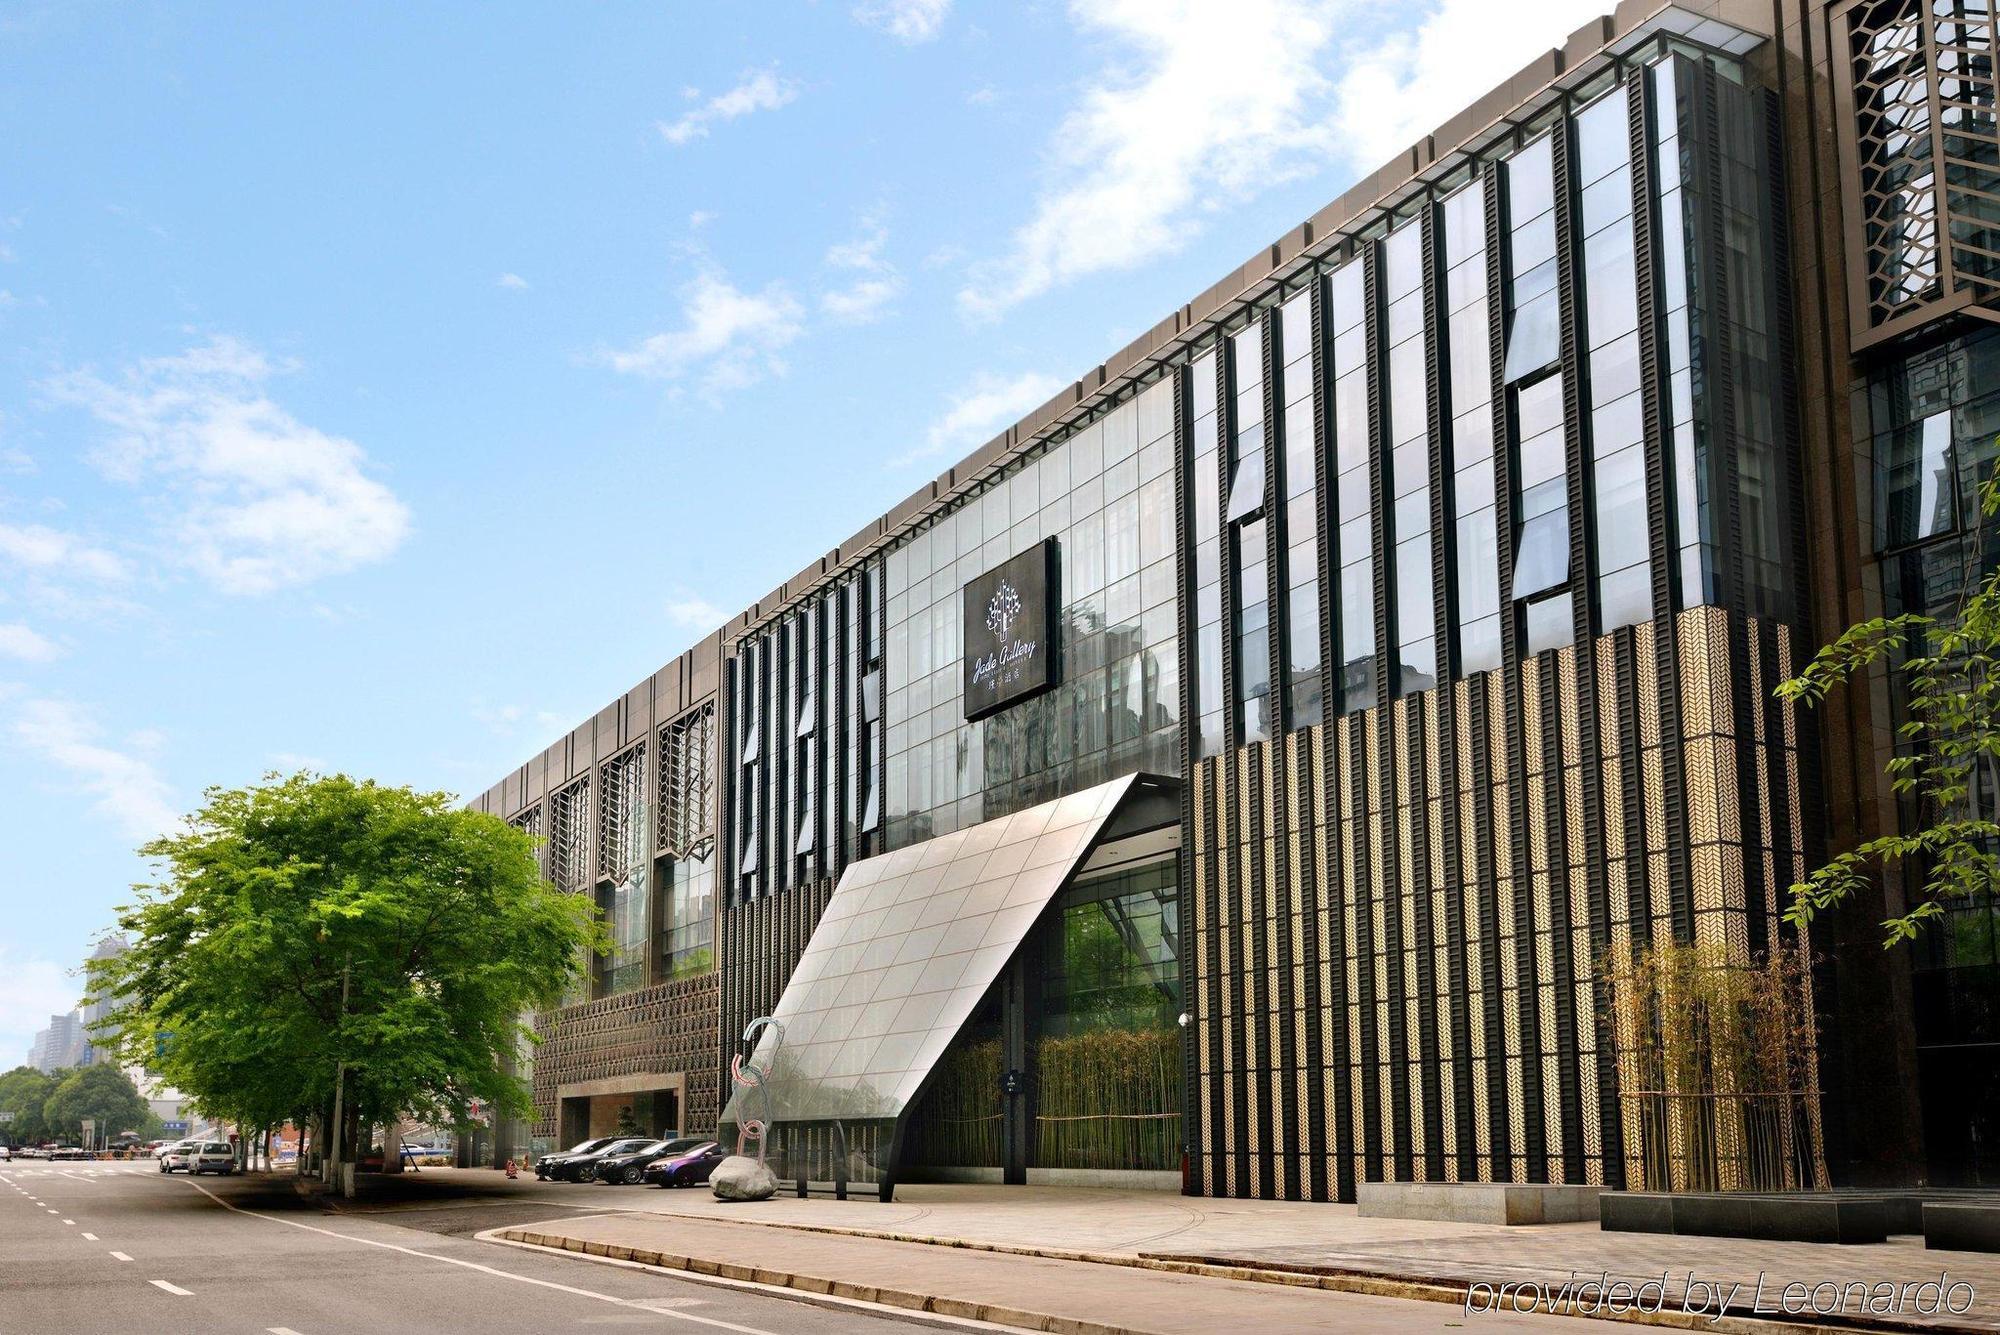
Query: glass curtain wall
(1106, 494)
(1346, 300)
(1248, 553)
(1535, 391)
(1298, 486)
(1205, 489)
(1470, 384)
(1409, 482)
(1603, 212)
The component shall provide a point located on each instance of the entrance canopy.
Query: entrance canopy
(910, 942)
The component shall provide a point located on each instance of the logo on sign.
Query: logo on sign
(1009, 631)
(1000, 613)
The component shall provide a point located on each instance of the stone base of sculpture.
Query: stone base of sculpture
(741, 1178)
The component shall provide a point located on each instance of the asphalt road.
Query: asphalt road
(103, 1247)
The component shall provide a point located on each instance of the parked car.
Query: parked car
(6, 1153)
(686, 1168)
(545, 1167)
(628, 1168)
(68, 1152)
(583, 1167)
(31, 1152)
(204, 1156)
(169, 1148)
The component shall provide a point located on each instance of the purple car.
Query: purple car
(686, 1168)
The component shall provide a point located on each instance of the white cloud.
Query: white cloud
(875, 282)
(983, 409)
(49, 551)
(511, 720)
(699, 219)
(31, 990)
(23, 642)
(512, 281)
(694, 613)
(256, 499)
(761, 90)
(909, 21)
(1203, 101)
(727, 337)
(1399, 89)
(129, 793)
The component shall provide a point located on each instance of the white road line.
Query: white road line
(70, 1222)
(280, 1330)
(483, 1269)
(90, 1237)
(171, 1288)
(121, 1256)
(55, 1211)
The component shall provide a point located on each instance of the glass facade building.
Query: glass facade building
(1419, 592)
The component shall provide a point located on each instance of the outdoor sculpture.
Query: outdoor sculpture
(739, 1177)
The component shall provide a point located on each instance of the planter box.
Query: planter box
(1477, 1202)
(1959, 1227)
(1804, 1217)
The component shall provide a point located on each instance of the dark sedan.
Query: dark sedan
(583, 1167)
(545, 1167)
(629, 1168)
(688, 1169)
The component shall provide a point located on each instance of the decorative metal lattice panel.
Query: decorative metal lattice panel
(569, 837)
(1923, 161)
(621, 834)
(687, 784)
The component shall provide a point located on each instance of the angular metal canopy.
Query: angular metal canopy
(907, 946)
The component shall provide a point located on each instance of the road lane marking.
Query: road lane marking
(280, 1330)
(171, 1288)
(90, 1237)
(55, 1211)
(483, 1269)
(121, 1256)
(70, 1222)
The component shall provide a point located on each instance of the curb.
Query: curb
(1343, 1281)
(810, 1286)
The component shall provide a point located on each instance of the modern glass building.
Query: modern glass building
(1242, 772)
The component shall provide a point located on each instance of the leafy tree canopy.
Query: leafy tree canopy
(103, 1094)
(1947, 763)
(23, 1092)
(437, 918)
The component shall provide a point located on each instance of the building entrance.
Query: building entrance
(640, 1105)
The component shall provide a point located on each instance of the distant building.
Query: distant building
(93, 1011)
(60, 1045)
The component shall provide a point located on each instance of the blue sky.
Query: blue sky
(383, 388)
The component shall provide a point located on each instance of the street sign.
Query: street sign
(6, 1117)
(174, 1126)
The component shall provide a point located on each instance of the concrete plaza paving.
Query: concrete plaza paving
(1283, 1243)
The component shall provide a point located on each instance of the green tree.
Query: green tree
(24, 1092)
(104, 1095)
(312, 931)
(1946, 768)
(628, 1125)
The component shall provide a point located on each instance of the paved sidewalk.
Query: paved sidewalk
(1300, 1241)
(1030, 1292)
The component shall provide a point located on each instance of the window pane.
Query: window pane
(1917, 484)
(1622, 534)
(1246, 487)
(1541, 556)
(1532, 337)
(1549, 624)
